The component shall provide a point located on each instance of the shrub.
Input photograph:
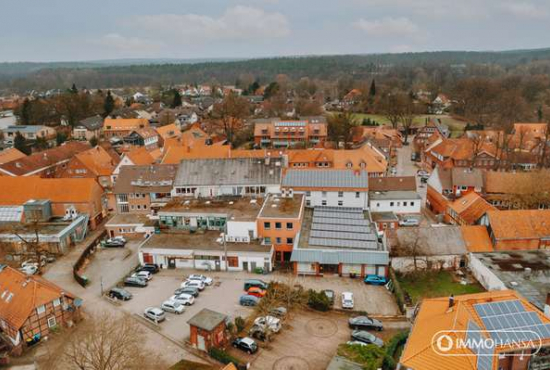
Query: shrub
(222, 356)
(239, 324)
(318, 301)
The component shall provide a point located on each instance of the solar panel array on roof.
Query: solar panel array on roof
(498, 308)
(341, 235)
(340, 209)
(345, 227)
(290, 123)
(476, 343)
(342, 243)
(355, 216)
(11, 213)
(339, 221)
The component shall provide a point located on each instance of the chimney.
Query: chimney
(451, 301)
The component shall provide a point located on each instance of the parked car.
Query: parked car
(121, 238)
(375, 280)
(254, 283)
(193, 284)
(205, 279)
(273, 323)
(189, 290)
(246, 344)
(365, 322)
(257, 292)
(279, 312)
(356, 343)
(119, 293)
(366, 337)
(151, 267)
(154, 314)
(423, 173)
(248, 300)
(29, 269)
(347, 300)
(135, 281)
(330, 295)
(145, 275)
(185, 299)
(112, 243)
(173, 307)
(30, 263)
(409, 221)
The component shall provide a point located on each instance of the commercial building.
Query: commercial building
(277, 133)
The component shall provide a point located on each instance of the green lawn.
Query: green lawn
(435, 284)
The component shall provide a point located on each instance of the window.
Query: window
(267, 240)
(340, 194)
(278, 225)
(51, 322)
(412, 204)
(324, 203)
(308, 193)
(289, 241)
(357, 194)
(404, 204)
(391, 204)
(267, 225)
(340, 202)
(377, 204)
(277, 240)
(40, 309)
(308, 203)
(289, 225)
(56, 302)
(324, 194)
(124, 208)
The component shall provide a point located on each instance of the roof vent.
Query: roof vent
(231, 202)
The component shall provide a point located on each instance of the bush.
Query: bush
(318, 301)
(222, 356)
(239, 324)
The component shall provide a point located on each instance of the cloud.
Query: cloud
(524, 10)
(388, 26)
(133, 44)
(237, 23)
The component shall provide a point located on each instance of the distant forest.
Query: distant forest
(441, 67)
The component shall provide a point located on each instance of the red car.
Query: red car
(256, 292)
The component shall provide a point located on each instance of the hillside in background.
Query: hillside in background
(142, 72)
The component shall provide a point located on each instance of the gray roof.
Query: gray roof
(92, 123)
(24, 129)
(342, 363)
(326, 178)
(430, 241)
(145, 179)
(207, 319)
(334, 257)
(398, 195)
(232, 171)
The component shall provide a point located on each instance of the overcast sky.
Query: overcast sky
(67, 30)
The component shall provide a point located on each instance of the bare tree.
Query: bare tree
(230, 114)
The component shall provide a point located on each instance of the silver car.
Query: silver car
(173, 307)
(154, 314)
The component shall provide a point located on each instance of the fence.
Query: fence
(81, 279)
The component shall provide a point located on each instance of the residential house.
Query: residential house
(66, 198)
(467, 210)
(227, 177)
(130, 226)
(431, 129)
(446, 185)
(425, 248)
(328, 187)
(168, 132)
(394, 194)
(45, 163)
(88, 128)
(528, 137)
(143, 189)
(135, 157)
(475, 320)
(518, 190)
(208, 329)
(11, 154)
(28, 132)
(518, 229)
(364, 133)
(122, 127)
(96, 163)
(146, 137)
(440, 104)
(462, 152)
(31, 308)
(277, 133)
(339, 241)
(279, 221)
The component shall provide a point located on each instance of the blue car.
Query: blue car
(375, 280)
(248, 300)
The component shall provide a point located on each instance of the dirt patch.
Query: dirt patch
(321, 328)
(291, 363)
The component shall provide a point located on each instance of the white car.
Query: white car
(356, 342)
(205, 279)
(409, 221)
(145, 275)
(193, 283)
(121, 238)
(347, 300)
(29, 269)
(173, 307)
(183, 298)
(154, 314)
(272, 322)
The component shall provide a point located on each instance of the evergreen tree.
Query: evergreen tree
(20, 143)
(93, 141)
(25, 113)
(108, 104)
(60, 138)
(540, 114)
(177, 99)
(372, 91)
(74, 90)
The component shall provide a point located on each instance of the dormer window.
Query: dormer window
(349, 165)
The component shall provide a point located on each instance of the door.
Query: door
(266, 267)
(252, 266)
(171, 263)
(201, 343)
(147, 258)
(218, 265)
(245, 266)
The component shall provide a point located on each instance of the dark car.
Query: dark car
(119, 293)
(254, 283)
(366, 337)
(187, 290)
(365, 322)
(112, 243)
(330, 295)
(135, 281)
(153, 268)
(246, 344)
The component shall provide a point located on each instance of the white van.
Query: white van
(347, 300)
